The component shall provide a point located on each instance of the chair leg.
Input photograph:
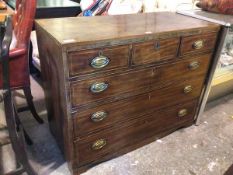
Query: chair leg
(29, 98)
(18, 123)
(17, 138)
(24, 161)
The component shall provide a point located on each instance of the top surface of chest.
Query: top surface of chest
(85, 30)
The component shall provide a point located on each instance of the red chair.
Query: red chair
(15, 129)
(19, 55)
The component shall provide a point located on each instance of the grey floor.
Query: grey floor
(206, 149)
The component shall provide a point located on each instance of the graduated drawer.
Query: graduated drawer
(98, 118)
(88, 61)
(155, 51)
(136, 82)
(107, 142)
(198, 43)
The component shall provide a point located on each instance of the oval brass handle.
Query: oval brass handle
(98, 87)
(198, 44)
(99, 144)
(99, 62)
(99, 116)
(188, 89)
(194, 65)
(182, 112)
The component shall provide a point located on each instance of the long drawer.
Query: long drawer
(98, 118)
(95, 147)
(136, 82)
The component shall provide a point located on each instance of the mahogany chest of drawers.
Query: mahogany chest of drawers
(116, 83)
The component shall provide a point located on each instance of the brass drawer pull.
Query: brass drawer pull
(188, 89)
(99, 144)
(99, 116)
(182, 112)
(198, 44)
(98, 87)
(194, 65)
(99, 62)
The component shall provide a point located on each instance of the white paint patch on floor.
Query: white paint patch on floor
(211, 166)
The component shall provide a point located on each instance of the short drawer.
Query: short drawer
(198, 43)
(88, 61)
(96, 147)
(155, 51)
(98, 118)
(136, 82)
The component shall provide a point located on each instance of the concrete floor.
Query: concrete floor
(206, 149)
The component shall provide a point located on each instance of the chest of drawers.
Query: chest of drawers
(116, 83)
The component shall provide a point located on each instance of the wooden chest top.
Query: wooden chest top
(84, 30)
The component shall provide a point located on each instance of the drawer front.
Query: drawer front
(198, 43)
(88, 61)
(136, 82)
(151, 52)
(97, 146)
(98, 118)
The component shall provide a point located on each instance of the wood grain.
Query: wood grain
(119, 152)
(187, 43)
(129, 133)
(181, 69)
(154, 51)
(80, 62)
(84, 31)
(131, 108)
(136, 82)
(53, 73)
